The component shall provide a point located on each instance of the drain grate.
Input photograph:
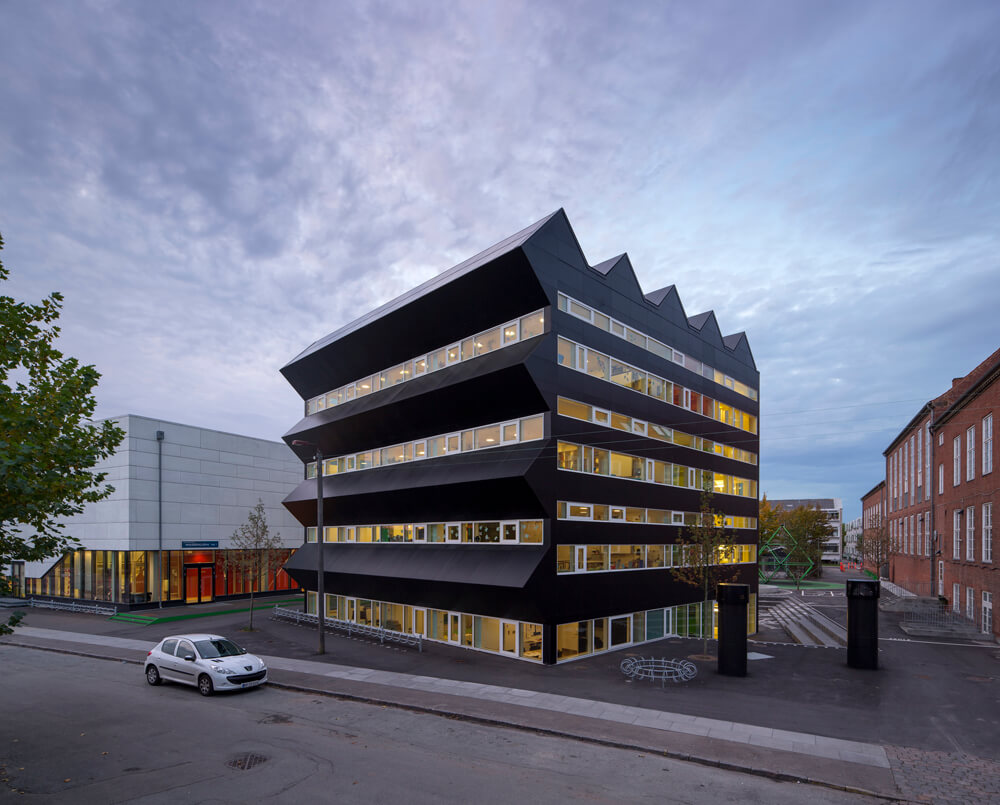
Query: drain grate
(246, 762)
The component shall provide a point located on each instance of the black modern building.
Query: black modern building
(513, 450)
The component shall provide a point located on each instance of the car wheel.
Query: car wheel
(205, 685)
(153, 675)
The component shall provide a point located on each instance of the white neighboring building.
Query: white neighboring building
(180, 496)
(834, 509)
(852, 533)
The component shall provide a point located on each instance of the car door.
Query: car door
(185, 671)
(164, 659)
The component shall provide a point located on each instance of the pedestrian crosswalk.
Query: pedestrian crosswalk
(803, 623)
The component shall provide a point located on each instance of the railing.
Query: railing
(299, 617)
(932, 612)
(74, 606)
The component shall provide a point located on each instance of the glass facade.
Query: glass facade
(527, 429)
(607, 513)
(524, 640)
(605, 367)
(597, 461)
(650, 344)
(131, 577)
(607, 558)
(611, 419)
(496, 635)
(485, 532)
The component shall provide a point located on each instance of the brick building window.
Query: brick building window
(956, 460)
(987, 532)
(970, 453)
(987, 444)
(956, 536)
(987, 612)
(970, 603)
(956, 597)
(920, 461)
(940, 479)
(970, 533)
(927, 462)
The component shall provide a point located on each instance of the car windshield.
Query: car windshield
(220, 647)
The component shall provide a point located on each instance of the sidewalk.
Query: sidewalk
(923, 727)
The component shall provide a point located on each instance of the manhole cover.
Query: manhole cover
(247, 761)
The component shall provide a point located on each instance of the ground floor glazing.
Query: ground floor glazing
(523, 640)
(135, 577)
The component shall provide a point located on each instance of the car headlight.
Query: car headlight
(221, 669)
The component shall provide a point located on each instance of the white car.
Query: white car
(210, 662)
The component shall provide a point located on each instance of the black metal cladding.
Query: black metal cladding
(491, 388)
(496, 292)
(520, 481)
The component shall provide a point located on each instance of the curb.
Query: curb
(496, 722)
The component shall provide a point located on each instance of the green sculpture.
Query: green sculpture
(782, 558)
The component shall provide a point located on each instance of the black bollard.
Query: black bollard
(862, 623)
(732, 600)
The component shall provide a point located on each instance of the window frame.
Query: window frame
(970, 534)
(988, 444)
(970, 453)
(987, 532)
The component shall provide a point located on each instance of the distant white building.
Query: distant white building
(162, 535)
(834, 508)
(852, 533)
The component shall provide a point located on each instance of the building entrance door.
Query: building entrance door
(199, 581)
(508, 638)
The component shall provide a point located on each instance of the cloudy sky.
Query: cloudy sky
(825, 176)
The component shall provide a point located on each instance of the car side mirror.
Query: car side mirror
(189, 658)
(242, 650)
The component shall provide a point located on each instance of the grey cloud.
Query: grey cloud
(215, 186)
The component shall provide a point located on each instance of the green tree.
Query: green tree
(707, 555)
(256, 552)
(48, 446)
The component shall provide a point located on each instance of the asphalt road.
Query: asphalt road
(80, 730)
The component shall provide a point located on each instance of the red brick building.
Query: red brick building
(968, 491)
(908, 462)
(874, 530)
(941, 486)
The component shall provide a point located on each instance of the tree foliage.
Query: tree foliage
(256, 552)
(706, 559)
(769, 517)
(48, 446)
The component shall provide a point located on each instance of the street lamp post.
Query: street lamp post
(320, 572)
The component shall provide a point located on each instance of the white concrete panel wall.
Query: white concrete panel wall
(210, 482)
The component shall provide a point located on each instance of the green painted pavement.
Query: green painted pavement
(148, 620)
